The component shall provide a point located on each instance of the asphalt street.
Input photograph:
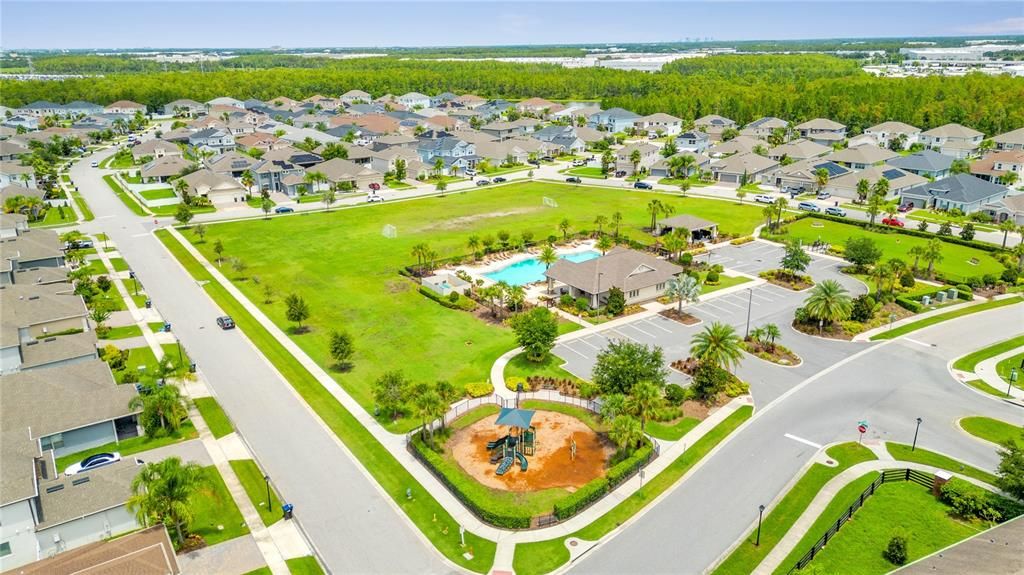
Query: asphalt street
(352, 525)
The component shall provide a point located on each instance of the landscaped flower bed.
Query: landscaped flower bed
(774, 353)
(682, 317)
(788, 280)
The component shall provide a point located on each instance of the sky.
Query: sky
(262, 24)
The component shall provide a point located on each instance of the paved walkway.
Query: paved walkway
(824, 497)
(986, 370)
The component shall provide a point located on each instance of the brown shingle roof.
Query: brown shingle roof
(147, 552)
(623, 268)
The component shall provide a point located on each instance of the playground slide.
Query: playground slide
(522, 461)
(497, 443)
(505, 465)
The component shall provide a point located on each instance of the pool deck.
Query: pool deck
(494, 263)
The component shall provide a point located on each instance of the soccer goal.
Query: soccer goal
(389, 231)
(549, 202)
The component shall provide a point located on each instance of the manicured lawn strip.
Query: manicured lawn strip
(112, 299)
(119, 264)
(53, 217)
(304, 566)
(124, 196)
(970, 361)
(588, 417)
(158, 194)
(212, 507)
(123, 332)
(545, 556)
(778, 522)
(980, 385)
(989, 429)
(261, 571)
(139, 300)
(902, 452)
(387, 471)
(929, 321)
(955, 260)
(83, 208)
(724, 281)
(509, 170)
(130, 446)
(585, 172)
(214, 416)
(308, 198)
(156, 326)
(671, 432)
(474, 415)
(519, 366)
(257, 202)
(896, 506)
(390, 316)
(173, 209)
(1004, 367)
(396, 185)
(255, 486)
(96, 267)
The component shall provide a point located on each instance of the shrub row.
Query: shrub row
(915, 305)
(625, 469)
(984, 246)
(742, 240)
(596, 489)
(461, 302)
(970, 501)
(479, 389)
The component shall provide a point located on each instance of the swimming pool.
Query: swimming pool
(531, 270)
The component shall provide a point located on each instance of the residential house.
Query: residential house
(339, 171)
(467, 135)
(713, 125)
(28, 249)
(232, 163)
(414, 100)
(737, 167)
(663, 167)
(538, 106)
(862, 156)
(649, 154)
(699, 229)
(278, 176)
(379, 123)
(846, 186)
(506, 130)
(503, 152)
(126, 107)
(149, 551)
(355, 97)
(15, 173)
(220, 189)
(494, 108)
(321, 102)
(888, 132)
(613, 120)
(395, 141)
(953, 140)
(996, 165)
(184, 108)
(454, 153)
(212, 139)
(23, 121)
(11, 150)
(283, 103)
(254, 104)
(34, 312)
(659, 124)
(1008, 208)
(81, 108)
(565, 137)
(259, 141)
(384, 161)
(802, 176)
(294, 156)
(226, 101)
(761, 128)
(1013, 140)
(537, 148)
(15, 190)
(737, 145)
(471, 101)
(41, 108)
(575, 112)
(57, 351)
(441, 99)
(155, 148)
(960, 191)
(797, 150)
(444, 122)
(926, 163)
(12, 224)
(641, 276)
(693, 141)
(162, 169)
(822, 131)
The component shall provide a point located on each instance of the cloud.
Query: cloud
(1004, 26)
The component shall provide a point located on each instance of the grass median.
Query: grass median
(970, 361)
(902, 452)
(421, 508)
(124, 196)
(542, 557)
(989, 429)
(214, 416)
(746, 557)
(930, 321)
(255, 486)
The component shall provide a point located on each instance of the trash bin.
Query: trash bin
(192, 367)
(149, 304)
(167, 326)
(287, 508)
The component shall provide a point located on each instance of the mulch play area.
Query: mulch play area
(551, 465)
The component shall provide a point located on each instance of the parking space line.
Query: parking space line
(566, 346)
(621, 335)
(725, 311)
(651, 322)
(729, 300)
(584, 341)
(633, 325)
(761, 297)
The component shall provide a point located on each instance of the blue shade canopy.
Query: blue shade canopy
(515, 417)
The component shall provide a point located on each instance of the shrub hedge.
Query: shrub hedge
(581, 498)
(463, 303)
(479, 389)
(984, 246)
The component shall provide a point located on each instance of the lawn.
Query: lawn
(304, 566)
(214, 416)
(895, 507)
(158, 194)
(545, 556)
(550, 367)
(173, 209)
(502, 170)
(216, 517)
(257, 202)
(989, 429)
(585, 172)
(393, 320)
(902, 452)
(121, 162)
(83, 208)
(156, 326)
(56, 217)
(970, 361)
(124, 196)
(111, 298)
(397, 185)
(983, 387)
(422, 509)
(724, 281)
(251, 477)
(123, 332)
(782, 516)
(119, 264)
(694, 182)
(671, 431)
(96, 267)
(960, 312)
(956, 258)
(130, 446)
(939, 217)
(1004, 367)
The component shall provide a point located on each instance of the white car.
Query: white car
(93, 462)
(373, 198)
(578, 163)
(470, 172)
(95, 164)
(764, 199)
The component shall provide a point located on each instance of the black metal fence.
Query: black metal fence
(919, 477)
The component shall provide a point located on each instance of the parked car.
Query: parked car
(374, 197)
(824, 195)
(573, 180)
(534, 162)
(764, 199)
(579, 162)
(470, 172)
(95, 164)
(892, 222)
(93, 462)
(283, 210)
(808, 206)
(81, 244)
(547, 159)
(834, 211)
(620, 174)
(499, 180)
(483, 182)
(225, 322)
(905, 208)
(642, 186)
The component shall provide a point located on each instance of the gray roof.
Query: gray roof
(768, 121)
(19, 190)
(958, 188)
(17, 474)
(866, 154)
(692, 223)
(43, 352)
(620, 113)
(28, 305)
(623, 268)
(70, 497)
(31, 245)
(923, 161)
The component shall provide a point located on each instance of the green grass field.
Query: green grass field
(119, 264)
(960, 312)
(956, 258)
(384, 310)
(550, 367)
(214, 416)
(671, 431)
(217, 518)
(902, 452)
(130, 446)
(970, 361)
(158, 194)
(724, 281)
(985, 388)
(746, 557)
(255, 486)
(55, 217)
(990, 429)
(898, 506)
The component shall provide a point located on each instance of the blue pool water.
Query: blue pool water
(530, 270)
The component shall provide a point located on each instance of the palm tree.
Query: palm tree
(932, 254)
(898, 267)
(686, 288)
(600, 222)
(917, 252)
(771, 333)
(474, 246)
(421, 252)
(756, 334)
(604, 244)
(644, 399)
(547, 257)
(634, 158)
(718, 344)
(515, 296)
(821, 177)
(626, 431)
(676, 241)
(780, 206)
(163, 408)
(564, 226)
(881, 274)
(686, 164)
(881, 188)
(654, 207)
(162, 492)
(248, 180)
(617, 221)
(438, 166)
(1009, 178)
(1006, 226)
(769, 216)
(863, 189)
(876, 204)
(828, 302)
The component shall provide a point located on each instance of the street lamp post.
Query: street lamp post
(916, 429)
(135, 282)
(750, 302)
(760, 514)
(266, 478)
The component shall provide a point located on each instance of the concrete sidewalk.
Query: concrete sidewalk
(986, 370)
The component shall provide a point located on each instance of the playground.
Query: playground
(532, 450)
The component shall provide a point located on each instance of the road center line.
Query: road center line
(802, 440)
(921, 343)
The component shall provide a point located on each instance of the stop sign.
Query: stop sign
(862, 428)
